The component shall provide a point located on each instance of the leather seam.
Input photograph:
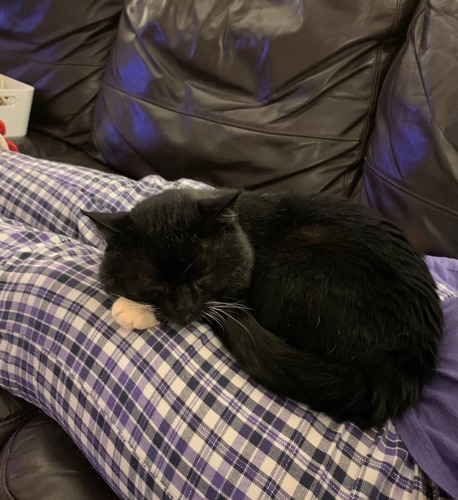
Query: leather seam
(227, 124)
(111, 20)
(410, 193)
(121, 135)
(54, 65)
(423, 86)
(4, 467)
(371, 112)
(392, 76)
(347, 187)
(8, 447)
(18, 419)
(375, 83)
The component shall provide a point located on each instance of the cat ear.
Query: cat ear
(220, 207)
(108, 223)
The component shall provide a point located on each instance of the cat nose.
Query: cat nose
(187, 310)
(188, 313)
(187, 305)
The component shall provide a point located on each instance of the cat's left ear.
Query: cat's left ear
(221, 207)
(107, 223)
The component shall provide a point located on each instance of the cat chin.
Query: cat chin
(182, 321)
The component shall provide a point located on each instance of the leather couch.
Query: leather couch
(351, 98)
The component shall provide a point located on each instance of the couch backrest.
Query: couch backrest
(253, 93)
(411, 171)
(61, 48)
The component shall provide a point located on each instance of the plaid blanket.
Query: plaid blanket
(164, 413)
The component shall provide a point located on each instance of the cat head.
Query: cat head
(179, 251)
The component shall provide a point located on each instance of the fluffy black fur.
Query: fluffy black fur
(331, 304)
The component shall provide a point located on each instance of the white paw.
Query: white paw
(131, 315)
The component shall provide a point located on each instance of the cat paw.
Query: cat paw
(131, 315)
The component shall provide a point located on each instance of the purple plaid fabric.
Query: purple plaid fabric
(165, 413)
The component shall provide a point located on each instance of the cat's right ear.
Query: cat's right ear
(108, 223)
(220, 208)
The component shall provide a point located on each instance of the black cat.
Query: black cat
(317, 298)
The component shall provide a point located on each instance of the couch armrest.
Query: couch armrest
(14, 412)
(41, 462)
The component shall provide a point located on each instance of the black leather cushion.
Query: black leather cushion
(14, 412)
(272, 94)
(61, 49)
(44, 146)
(40, 462)
(411, 171)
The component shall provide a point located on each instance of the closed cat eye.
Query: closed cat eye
(158, 288)
(203, 283)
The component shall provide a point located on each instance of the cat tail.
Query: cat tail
(340, 391)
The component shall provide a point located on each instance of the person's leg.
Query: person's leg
(167, 413)
(49, 196)
(57, 339)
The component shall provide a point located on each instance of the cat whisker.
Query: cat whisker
(211, 317)
(187, 269)
(223, 312)
(242, 325)
(215, 321)
(229, 305)
(218, 317)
